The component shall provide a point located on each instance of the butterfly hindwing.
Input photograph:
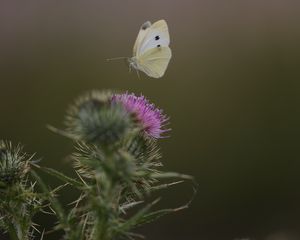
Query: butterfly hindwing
(154, 61)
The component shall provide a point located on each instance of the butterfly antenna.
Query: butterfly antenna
(116, 58)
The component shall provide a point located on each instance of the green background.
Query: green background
(232, 91)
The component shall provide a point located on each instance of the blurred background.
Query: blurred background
(232, 91)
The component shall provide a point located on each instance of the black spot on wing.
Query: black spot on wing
(157, 37)
(158, 45)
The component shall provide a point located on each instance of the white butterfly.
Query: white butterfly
(151, 52)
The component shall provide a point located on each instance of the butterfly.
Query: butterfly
(151, 52)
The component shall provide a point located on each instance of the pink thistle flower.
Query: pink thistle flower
(150, 118)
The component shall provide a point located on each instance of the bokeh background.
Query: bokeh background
(232, 90)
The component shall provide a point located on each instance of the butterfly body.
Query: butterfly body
(151, 52)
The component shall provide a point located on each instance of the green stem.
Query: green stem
(12, 232)
(106, 191)
(101, 229)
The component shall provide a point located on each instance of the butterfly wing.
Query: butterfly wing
(143, 30)
(154, 61)
(156, 35)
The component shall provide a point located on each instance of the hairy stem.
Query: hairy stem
(12, 232)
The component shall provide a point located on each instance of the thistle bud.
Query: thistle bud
(94, 119)
(14, 163)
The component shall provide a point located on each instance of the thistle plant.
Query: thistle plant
(117, 162)
(19, 201)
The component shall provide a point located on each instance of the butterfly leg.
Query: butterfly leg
(138, 74)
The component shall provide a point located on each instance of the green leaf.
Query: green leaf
(150, 217)
(61, 176)
(129, 205)
(135, 219)
(55, 203)
(164, 186)
(62, 133)
(161, 175)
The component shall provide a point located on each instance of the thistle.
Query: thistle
(118, 163)
(19, 202)
(117, 160)
(93, 120)
(151, 119)
(14, 164)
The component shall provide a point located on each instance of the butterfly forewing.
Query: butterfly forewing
(143, 30)
(157, 35)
